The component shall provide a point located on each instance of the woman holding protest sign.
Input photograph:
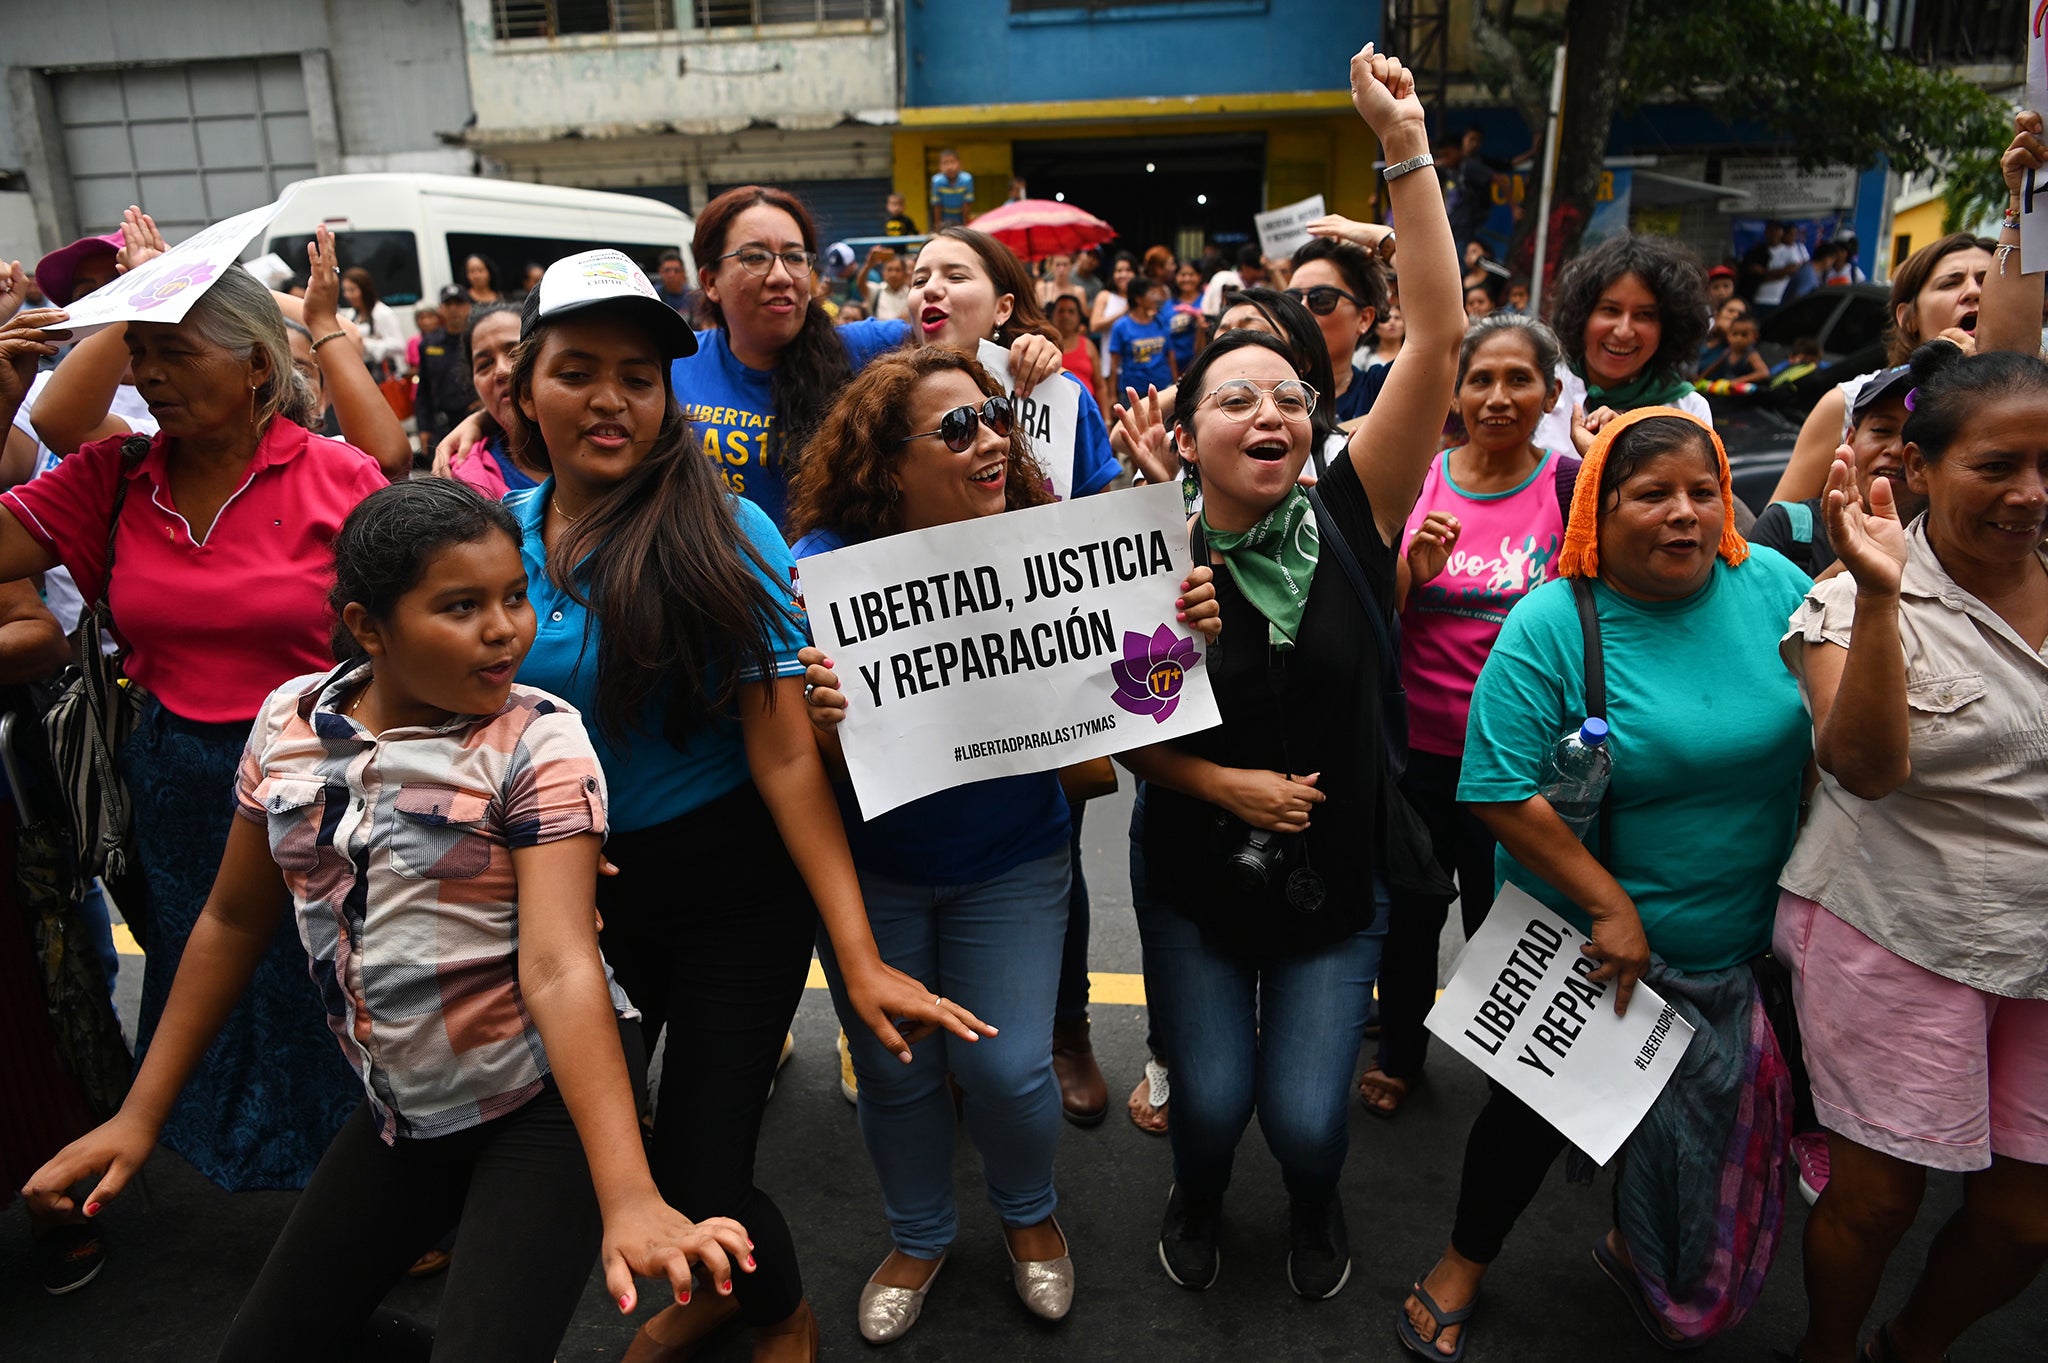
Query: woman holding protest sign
(1911, 910)
(1690, 839)
(209, 542)
(664, 616)
(967, 887)
(1258, 883)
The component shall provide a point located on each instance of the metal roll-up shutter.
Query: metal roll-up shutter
(843, 208)
(190, 143)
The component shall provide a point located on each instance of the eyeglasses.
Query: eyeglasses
(956, 427)
(1239, 399)
(758, 262)
(1322, 299)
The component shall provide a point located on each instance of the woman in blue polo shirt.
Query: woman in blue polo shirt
(1140, 351)
(665, 617)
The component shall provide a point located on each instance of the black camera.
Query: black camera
(1251, 865)
(1255, 859)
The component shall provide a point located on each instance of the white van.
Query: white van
(414, 232)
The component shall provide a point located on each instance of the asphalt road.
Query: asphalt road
(183, 1253)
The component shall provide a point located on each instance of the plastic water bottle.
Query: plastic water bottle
(1575, 778)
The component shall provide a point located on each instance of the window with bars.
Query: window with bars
(558, 18)
(760, 13)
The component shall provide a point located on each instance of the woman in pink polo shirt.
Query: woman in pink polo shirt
(1484, 532)
(218, 578)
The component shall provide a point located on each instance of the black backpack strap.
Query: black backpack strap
(1331, 538)
(1596, 688)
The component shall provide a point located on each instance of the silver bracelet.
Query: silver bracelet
(1400, 168)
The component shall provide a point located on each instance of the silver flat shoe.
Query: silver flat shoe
(1045, 1286)
(887, 1313)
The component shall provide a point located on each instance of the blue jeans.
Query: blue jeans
(1277, 1035)
(994, 948)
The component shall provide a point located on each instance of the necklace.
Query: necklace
(357, 703)
(557, 500)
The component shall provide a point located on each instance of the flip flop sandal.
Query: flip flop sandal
(1624, 1280)
(1158, 1092)
(1412, 1339)
(1388, 1113)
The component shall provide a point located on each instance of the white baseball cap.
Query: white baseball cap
(606, 278)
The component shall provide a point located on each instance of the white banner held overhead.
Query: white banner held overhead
(2034, 198)
(1283, 231)
(1050, 414)
(164, 289)
(1519, 1006)
(1011, 643)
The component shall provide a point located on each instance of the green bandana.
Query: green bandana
(1651, 388)
(1273, 563)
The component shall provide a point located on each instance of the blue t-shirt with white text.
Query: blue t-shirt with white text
(1141, 350)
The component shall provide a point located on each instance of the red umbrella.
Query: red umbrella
(1037, 228)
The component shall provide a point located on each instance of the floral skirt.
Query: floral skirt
(273, 1088)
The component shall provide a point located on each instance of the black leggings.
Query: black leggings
(1506, 1157)
(709, 930)
(529, 1231)
(1464, 848)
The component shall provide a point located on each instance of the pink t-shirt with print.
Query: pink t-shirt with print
(1507, 547)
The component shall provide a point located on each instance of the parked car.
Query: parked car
(1760, 427)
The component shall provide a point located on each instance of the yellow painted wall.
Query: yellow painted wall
(1327, 154)
(1918, 226)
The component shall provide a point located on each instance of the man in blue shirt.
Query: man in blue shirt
(952, 193)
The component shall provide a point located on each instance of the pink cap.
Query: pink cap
(54, 271)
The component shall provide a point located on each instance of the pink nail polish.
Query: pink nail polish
(683, 1298)
(749, 1261)
(92, 1209)
(725, 1288)
(626, 1303)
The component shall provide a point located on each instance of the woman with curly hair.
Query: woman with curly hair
(966, 887)
(1631, 313)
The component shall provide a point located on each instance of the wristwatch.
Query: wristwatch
(1385, 250)
(1400, 168)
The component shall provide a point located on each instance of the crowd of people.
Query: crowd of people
(413, 953)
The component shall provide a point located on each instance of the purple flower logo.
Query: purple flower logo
(194, 276)
(1153, 669)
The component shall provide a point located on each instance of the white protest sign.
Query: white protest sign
(164, 289)
(2034, 198)
(1283, 230)
(1011, 643)
(1049, 414)
(1520, 1007)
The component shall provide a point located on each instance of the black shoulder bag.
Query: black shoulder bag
(1596, 694)
(1408, 863)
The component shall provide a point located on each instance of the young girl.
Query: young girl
(436, 829)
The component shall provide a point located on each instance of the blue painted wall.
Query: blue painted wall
(978, 52)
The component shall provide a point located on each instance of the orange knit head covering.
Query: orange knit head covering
(1581, 554)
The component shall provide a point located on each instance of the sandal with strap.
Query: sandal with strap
(1412, 1339)
(1158, 1090)
(1379, 1079)
(1624, 1279)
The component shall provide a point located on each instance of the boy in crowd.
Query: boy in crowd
(1740, 363)
(1802, 360)
(899, 223)
(952, 193)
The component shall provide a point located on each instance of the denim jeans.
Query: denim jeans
(1275, 1035)
(994, 948)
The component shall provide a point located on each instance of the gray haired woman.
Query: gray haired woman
(209, 543)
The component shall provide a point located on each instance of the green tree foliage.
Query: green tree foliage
(1802, 69)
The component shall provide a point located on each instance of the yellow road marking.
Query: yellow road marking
(1104, 986)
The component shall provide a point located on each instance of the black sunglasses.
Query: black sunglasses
(956, 427)
(1322, 299)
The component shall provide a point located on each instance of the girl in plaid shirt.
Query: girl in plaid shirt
(437, 830)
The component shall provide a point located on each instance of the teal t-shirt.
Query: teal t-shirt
(1710, 742)
(650, 780)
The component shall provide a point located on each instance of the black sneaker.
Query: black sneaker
(1319, 1262)
(1187, 1239)
(71, 1256)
